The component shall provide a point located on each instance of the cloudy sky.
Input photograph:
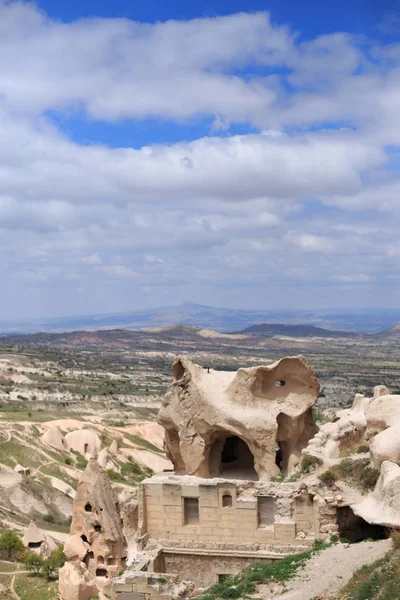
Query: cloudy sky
(239, 154)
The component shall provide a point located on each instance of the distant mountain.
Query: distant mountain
(208, 317)
(392, 333)
(270, 329)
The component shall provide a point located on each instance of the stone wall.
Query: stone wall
(228, 514)
(205, 570)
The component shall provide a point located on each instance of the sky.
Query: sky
(238, 154)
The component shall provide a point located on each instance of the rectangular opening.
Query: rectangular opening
(190, 511)
(265, 511)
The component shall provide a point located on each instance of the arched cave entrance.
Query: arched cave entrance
(231, 458)
(355, 529)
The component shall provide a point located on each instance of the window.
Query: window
(226, 500)
(88, 507)
(265, 511)
(86, 448)
(190, 511)
(84, 538)
(101, 573)
(97, 528)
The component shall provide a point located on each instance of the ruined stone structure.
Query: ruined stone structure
(96, 543)
(234, 439)
(252, 424)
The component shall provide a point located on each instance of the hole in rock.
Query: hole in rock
(178, 370)
(88, 507)
(280, 383)
(90, 554)
(100, 560)
(86, 448)
(84, 538)
(101, 573)
(226, 500)
(97, 528)
(111, 561)
(231, 458)
(34, 544)
(355, 529)
(278, 456)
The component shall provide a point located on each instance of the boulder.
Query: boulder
(383, 411)
(75, 548)
(386, 446)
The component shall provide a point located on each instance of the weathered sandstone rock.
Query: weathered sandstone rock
(83, 441)
(75, 582)
(238, 424)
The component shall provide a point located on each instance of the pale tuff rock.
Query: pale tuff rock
(37, 541)
(96, 543)
(76, 583)
(383, 411)
(268, 408)
(383, 505)
(114, 447)
(333, 438)
(54, 438)
(85, 441)
(386, 446)
(105, 461)
(22, 470)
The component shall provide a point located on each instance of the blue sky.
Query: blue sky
(232, 154)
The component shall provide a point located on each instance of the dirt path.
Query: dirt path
(328, 571)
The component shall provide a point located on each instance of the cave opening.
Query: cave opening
(278, 456)
(356, 529)
(231, 458)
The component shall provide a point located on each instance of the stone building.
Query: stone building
(231, 437)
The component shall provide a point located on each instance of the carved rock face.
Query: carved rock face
(251, 424)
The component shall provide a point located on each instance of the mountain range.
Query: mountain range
(219, 319)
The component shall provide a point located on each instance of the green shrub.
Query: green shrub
(308, 461)
(329, 477)
(363, 448)
(395, 535)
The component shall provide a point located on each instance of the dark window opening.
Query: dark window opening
(88, 507)
(231, 458)
(34, 544)
(280, 383)
(265, 511)
(111, 561)
(100, 559)
(101, 573)
(97, 528)
(86, 448)
(90, 554)
(355, 529)
(278, 456)
(191, 511)
(84, 538)
(178, 370)
(226, 500)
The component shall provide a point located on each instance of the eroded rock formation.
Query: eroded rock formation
(247, 425)
(96, 536)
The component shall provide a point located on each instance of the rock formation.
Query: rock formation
(76, 583)
(248, 425)
(37, 541)
(96, 538)
(84, 441)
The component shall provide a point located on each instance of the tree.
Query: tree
(34, 563)
(10, 544)
(55, 561)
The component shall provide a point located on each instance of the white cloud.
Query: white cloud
(309, 199)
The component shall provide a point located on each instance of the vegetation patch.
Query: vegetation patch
(238, 586)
